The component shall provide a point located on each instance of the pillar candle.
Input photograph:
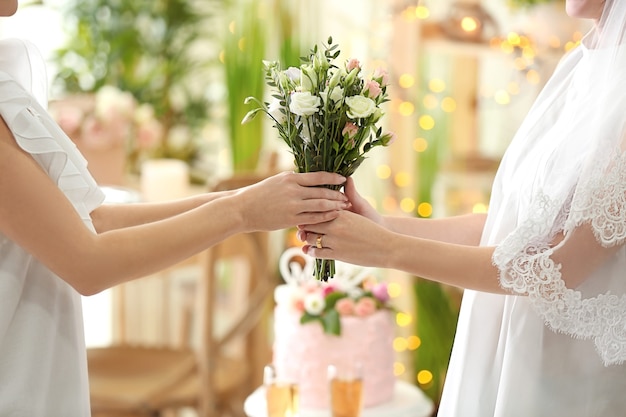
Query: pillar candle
(164, 179)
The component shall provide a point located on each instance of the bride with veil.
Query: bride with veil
(542, 327)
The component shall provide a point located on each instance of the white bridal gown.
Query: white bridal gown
(555, 352)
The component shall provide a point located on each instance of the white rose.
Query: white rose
(314, 303)
(360, 107)
(274, 109)
(304, 103)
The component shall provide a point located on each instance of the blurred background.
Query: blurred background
(152, 92)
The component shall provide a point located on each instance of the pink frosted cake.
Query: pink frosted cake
(357, 310)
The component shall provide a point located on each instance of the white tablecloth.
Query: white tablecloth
(408, 401)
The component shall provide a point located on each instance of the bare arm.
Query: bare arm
(116, 216)
(35, 214)
(355, 239)
(462, 230)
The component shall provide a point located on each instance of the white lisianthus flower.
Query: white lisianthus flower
(308, 78)
(314, 303)
(293, 73)
(335, 95)
(274, 109)
(305, 133)
(303, 103)
(360, 107)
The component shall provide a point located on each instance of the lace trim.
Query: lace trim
(601, 318)
(602, 202)
(527, 268)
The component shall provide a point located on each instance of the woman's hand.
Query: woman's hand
(350, 237)
(288, 199)
(360, 205)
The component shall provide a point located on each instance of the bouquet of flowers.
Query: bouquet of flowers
(327, 114)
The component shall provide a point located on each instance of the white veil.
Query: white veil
(564, 248)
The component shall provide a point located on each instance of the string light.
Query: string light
(402, 179)
(413, 342)
(407, 205)
(383, 171)
(398, 369)
(422, 12)
(400, 344)
(420, 144)
(425, 209)
(403, 319)
(424, 377)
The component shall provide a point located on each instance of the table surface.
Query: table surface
(408, 401)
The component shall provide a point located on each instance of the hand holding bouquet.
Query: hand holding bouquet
(327, 114)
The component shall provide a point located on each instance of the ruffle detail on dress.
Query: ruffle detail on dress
(36, 133)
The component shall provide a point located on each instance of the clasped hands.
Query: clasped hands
(355, 234)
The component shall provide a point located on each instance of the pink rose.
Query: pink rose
(381, 292)
(372, 89)
(381, 76)
(345, 306)
(352, 64)
(350, 129)
(365, 307)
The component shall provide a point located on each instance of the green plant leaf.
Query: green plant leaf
(331, 322)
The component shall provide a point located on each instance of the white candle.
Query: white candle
(164, 179)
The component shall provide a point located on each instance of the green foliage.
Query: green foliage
(528, 3)
(435, 326)
(244, 50)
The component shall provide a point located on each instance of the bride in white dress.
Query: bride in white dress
(542, 327)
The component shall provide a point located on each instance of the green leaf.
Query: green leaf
(332, 298)
(331, 322)
(307, 318)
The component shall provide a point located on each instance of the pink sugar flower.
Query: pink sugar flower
(345, 306)
(372, 89)
(311, 286)
(352, 64)
(298, 305)
(328, 289)
(365, 306)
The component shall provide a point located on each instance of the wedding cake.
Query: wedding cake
(317, 324)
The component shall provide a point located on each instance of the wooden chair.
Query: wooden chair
(215, 373)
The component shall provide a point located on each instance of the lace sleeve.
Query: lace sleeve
(593, 221)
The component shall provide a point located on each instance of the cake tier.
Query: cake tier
(303, 353)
